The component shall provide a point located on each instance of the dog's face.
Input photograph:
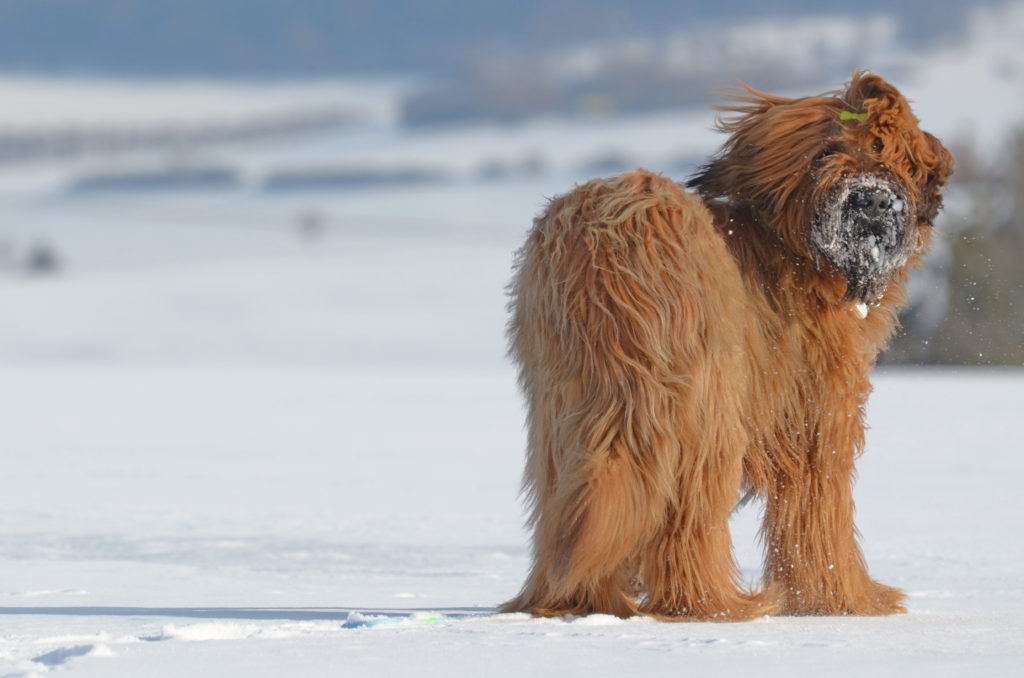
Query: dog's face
(878, 182)
(848, 180)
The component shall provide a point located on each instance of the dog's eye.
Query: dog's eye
(877, 146)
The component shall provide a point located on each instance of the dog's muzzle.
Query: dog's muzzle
(862, 232)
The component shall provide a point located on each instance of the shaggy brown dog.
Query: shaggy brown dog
(677, 349)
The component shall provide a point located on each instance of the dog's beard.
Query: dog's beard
(861, 230)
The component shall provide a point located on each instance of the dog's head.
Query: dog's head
(847, 180)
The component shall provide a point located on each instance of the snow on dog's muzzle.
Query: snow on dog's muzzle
(862, 232)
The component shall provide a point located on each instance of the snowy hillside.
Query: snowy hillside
(267, 431)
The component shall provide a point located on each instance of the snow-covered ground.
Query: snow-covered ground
(275, 434)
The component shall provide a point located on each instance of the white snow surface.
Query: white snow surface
(236, 445)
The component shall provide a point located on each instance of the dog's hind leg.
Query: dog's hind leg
(585, 541)
(591, 311)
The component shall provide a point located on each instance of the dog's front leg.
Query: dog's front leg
(813, 560)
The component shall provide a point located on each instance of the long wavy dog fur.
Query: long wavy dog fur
(680, 346)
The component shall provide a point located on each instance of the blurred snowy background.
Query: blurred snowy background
(219, 133)
(252, 373)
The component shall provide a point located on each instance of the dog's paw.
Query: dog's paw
(869, 598)
(878, 599)
(748, 607)
(734, 606)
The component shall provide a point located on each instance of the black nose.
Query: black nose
(873, 203)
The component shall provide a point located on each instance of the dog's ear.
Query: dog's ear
(864, 87)
(940, 164)
(872, 94)
(868, 83)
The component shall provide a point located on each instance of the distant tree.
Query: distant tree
(42, 259)
(983, 322)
